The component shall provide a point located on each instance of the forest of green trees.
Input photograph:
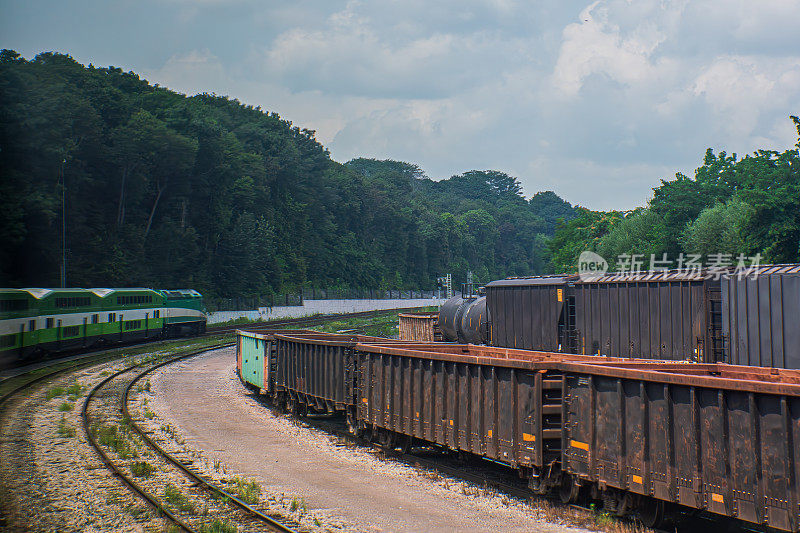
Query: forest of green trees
(165, 190)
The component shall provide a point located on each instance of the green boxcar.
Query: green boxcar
(53, 320)
(252, 349)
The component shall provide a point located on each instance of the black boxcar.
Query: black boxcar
(671, 315)
(527, 313)
(761, 317)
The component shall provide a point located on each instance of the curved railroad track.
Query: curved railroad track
(107, 422)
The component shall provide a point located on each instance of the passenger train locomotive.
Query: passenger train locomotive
(54, 320)
(647, 419)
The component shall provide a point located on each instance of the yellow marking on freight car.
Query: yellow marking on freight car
(489, 434)
(364, 400)
(451, 422)
(528, 437)
(717, 497)
(417, 414)
(579, 445)
(560, 294)
(637, 479)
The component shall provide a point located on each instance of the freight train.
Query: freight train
(34, 321)
(743, 318)
(655, 439)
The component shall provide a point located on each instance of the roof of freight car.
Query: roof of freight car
(649, 276)
(685, 274)
(763, 270)
(559, 279)
(692, 274)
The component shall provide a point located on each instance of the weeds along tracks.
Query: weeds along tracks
(187, 499)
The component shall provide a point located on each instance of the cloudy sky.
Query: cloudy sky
(597, 101)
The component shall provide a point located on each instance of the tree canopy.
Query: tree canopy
(166, 190)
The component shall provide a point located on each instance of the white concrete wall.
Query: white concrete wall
(313, 307)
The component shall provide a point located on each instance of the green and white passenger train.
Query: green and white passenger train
(54, 320)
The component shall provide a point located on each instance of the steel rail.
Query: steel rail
(115, 470)
(278, 526)
(80, 363)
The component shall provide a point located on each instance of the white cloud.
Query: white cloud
(601, 44)
(596, 100)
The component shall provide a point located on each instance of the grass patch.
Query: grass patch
(55, 392)
(218, 526)
(297, 504)
(247, 490)
(76, 389)
(65, 406)
(142, 469)
(64, 430)
(117, 438)
(137, 511)
(177, 499)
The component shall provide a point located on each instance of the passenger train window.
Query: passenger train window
(112, 317)
(49, 323)
(31, 325)
(95, 319)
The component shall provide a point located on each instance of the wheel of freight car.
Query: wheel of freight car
(302, 411)
(279, 404)
(352, 424)
(651, 512)
(568, 491)
(385, 438)
(405, 444)
(294, 407)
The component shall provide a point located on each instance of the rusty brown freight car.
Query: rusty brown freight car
(716, 437)
(503, 404)
(317, 370)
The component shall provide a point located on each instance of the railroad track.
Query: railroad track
(107, 423)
